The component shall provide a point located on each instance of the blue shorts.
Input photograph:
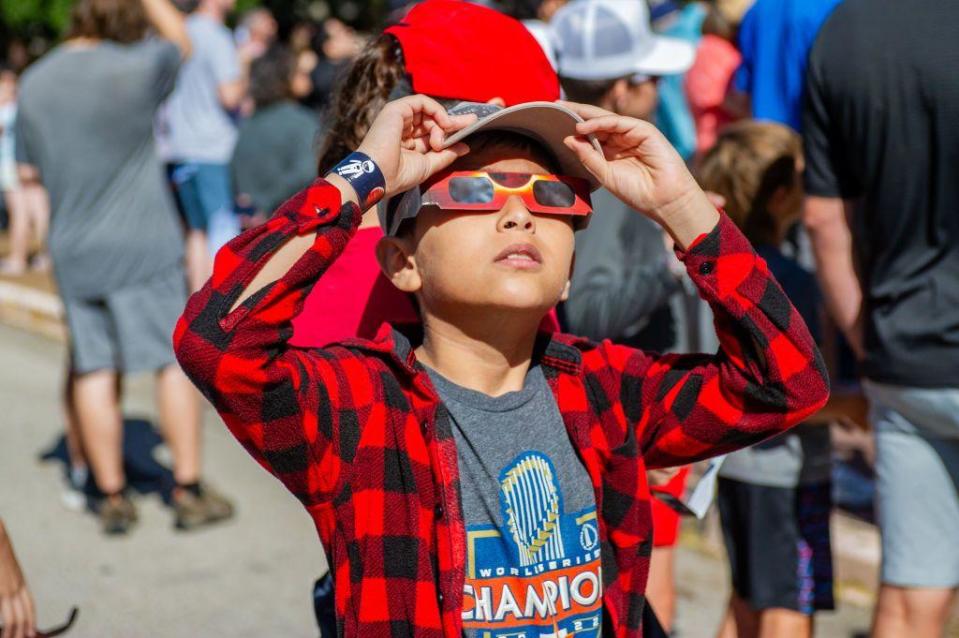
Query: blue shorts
(203, 190)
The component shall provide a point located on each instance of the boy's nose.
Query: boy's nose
(515, 216)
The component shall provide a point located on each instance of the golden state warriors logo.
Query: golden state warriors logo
(539, 576)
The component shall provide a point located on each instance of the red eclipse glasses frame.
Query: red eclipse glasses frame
(483, 191)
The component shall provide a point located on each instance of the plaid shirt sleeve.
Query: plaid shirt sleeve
(766, 377)
(285, 405)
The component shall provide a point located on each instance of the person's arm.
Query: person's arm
(620, 277)
(767, 375)
(290, 407)
(16, 603)
(826, 219)
(169, 23)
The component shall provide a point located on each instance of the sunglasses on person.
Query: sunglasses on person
(56, 631)
(483, 191)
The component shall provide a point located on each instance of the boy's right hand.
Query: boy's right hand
(406, 139)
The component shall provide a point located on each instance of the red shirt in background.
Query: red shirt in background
(707, 83)
(352, 298)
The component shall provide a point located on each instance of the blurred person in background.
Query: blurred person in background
(622, 275)
(708, 81)
(881, 133)
(774, 498)
(332, 47)
(774, 39)
(199, 134)
(27, 208)
(18, 617)
(275, 153)
(681, 20)
(114, 238)
(255, 33)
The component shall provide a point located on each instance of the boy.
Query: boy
(396, 445)
(774, 498)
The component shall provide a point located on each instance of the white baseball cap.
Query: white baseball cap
(607, 39)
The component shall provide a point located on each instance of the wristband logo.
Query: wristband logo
(355, 168)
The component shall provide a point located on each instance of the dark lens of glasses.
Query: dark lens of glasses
(471, 190)
(554, 194)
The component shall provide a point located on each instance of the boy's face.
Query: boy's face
(510, 259)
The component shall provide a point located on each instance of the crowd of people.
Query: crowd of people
(829, 161)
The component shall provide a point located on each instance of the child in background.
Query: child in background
(774, 498)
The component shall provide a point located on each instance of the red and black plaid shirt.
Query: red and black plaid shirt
(358, 434)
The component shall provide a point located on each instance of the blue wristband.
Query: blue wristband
(364, 176)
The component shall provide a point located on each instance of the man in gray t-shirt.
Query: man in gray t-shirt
(199, 133)
(85, 130)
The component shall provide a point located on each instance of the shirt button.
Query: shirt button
(438, 510)
(706, 267)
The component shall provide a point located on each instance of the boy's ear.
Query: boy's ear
(396, 260)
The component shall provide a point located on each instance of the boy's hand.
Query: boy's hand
(642, 169)
(406, 138)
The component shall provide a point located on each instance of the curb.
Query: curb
(35, 311)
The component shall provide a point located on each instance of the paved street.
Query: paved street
(251, 577)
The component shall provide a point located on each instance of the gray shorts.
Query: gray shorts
(917, 483)
(129, 330)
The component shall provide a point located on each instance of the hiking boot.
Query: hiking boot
(199, 505)
(117, 514)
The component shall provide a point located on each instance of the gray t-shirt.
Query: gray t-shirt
(533, 557)
(194, 123)
(86, 122)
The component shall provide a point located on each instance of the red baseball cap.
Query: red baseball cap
(460, 50)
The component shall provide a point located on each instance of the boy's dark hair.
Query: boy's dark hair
(270, 77)
(750, 161)
(358, 98)
(586, 91)
(121, 21)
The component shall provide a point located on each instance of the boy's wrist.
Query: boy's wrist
(688, 216)
(364, 176)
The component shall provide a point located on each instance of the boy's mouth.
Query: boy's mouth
(522, 256)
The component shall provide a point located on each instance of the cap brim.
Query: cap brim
(547, 123)
(667, 56)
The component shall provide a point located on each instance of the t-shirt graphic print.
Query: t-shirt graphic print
(539, 575)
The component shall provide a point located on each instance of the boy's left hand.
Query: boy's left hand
(642, 169)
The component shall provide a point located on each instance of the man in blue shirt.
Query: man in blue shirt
(775, 38)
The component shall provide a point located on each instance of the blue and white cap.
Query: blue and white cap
(608, 39)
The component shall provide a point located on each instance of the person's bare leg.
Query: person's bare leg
(727, 629)
(101, 427)
(199, 266)
(913, 612)
(178, 404)
(784, 623)
(19, 233)
(661, 588)
(72, 421)
(37, 205)
(746, 618)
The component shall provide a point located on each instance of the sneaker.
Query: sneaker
(117, 514)
(74, 496)
(199, 507)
